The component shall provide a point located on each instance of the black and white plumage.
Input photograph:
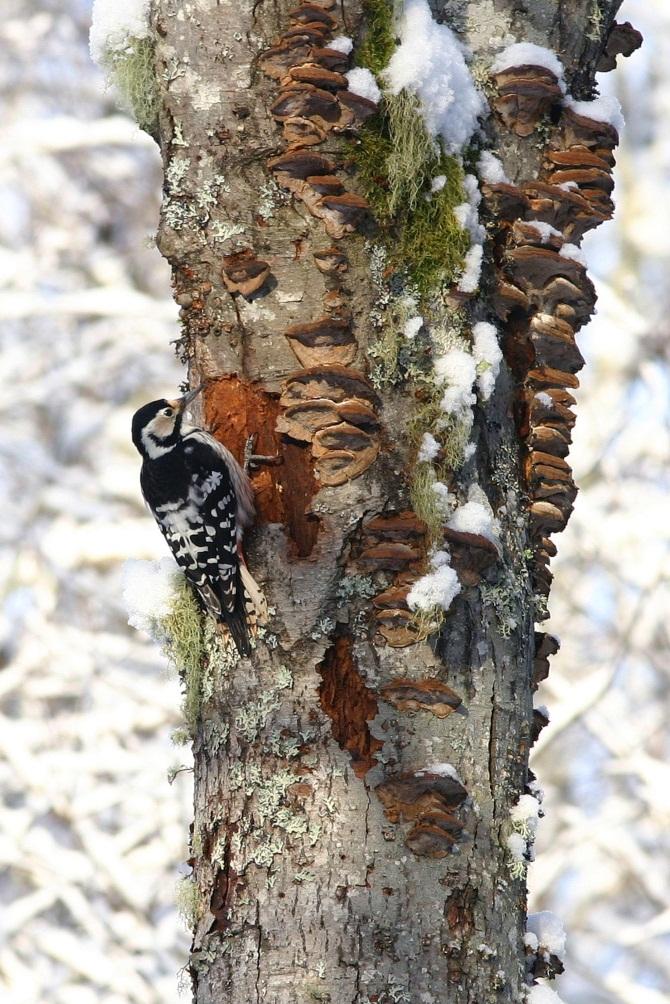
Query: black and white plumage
(202, 501)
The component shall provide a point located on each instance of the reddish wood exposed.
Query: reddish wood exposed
(236, 409)
(349, 704)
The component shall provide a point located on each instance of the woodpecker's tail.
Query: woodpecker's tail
(250, 611)
(255, 604)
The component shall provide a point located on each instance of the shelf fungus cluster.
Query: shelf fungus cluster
(543, 294)
(334, 409)
(428, 799)
(393, 544)
(328, 404)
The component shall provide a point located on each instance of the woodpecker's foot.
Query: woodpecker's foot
(249, 451)
(256, 460)
(253, 460)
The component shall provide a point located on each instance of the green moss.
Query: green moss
(133, 73)
(185, 648)
(396, 161)
(379, 42)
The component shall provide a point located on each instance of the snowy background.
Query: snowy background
(92, 835)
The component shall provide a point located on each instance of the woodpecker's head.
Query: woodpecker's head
(157, 425)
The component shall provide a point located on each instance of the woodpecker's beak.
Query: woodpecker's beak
(183, 402)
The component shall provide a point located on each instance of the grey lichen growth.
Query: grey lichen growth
(189, 201)
(268, 824)
(505, 601)
(252, 718)
(354, 587)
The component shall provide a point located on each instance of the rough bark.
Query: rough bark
(330, 862)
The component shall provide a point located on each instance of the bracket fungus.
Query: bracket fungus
(428, 695)
(525, 94)
(319, 403)
(244, 273)
(428, 800)
(327, 340)
(623, 39)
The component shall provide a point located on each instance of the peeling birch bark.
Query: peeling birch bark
(334, 858)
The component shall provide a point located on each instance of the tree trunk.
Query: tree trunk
(335, 856)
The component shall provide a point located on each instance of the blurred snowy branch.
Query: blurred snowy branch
(92, 834)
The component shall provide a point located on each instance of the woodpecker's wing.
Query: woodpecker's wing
(209, 452)
(212, 496)
(220, 455)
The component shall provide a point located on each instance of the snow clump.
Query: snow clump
(436, 589)
(362, 82)
(541, 994)
(341, 44)
(430, 63)
(115, 24)
(429, 448)
(525, 816)
(549, 933)
(412, 327)
(488, 357)
(149, 591)
(467, 215)
(456, 370)
(476, 516)
(491, 169)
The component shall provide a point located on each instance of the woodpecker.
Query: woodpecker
(203, 502)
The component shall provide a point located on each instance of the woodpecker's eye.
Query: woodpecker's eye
(168, 412)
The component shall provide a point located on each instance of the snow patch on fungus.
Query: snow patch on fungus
(549, 933)
(488, 356)
(430, 63)
(476, 516)
(442, 770)
(437, 588)
(544, 399)
(491, 169)
(574, 253)
(545, 230)
(528, 54)
(606, 108)
(341, 44)
(362, 82)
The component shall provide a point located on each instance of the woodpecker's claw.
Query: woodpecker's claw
(249, 451)
(252, 459)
